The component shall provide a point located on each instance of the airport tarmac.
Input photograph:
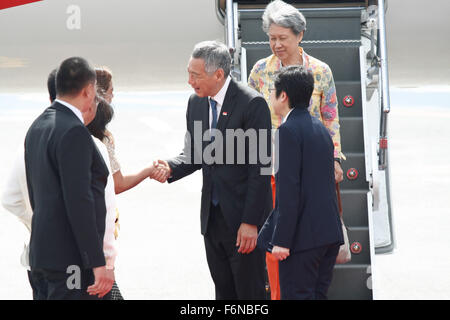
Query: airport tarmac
(161, 249)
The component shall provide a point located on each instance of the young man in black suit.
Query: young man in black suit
(236, 194)
(66, 178)
(304, 230)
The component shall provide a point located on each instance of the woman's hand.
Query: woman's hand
(338, 173)
(161, 171)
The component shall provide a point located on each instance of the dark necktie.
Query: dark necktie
(214, 113)
(213, 103)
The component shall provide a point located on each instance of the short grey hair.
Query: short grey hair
(215, 54)
(284, 15)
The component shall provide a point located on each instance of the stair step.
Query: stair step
(354, 161)
(351, 282)
(360, 236)
(352, 90)
(352, 134)
(354, 207)
(342, 59)
(321, 24)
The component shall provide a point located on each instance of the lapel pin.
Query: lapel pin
(224, 113)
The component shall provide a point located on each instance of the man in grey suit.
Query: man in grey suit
(236, 194)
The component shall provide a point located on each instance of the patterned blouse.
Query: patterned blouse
(323, 104)
(115, 166)
(109, 143)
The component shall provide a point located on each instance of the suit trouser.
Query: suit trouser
(38, 285)
(54, 285)
(235, 275)
(307, 275)
(272, 262)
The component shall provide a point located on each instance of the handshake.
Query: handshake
(160, 171)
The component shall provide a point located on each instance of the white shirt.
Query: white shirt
(287, 115)
(71, 107)
(109, 241)
(16, 200)
(219, 98)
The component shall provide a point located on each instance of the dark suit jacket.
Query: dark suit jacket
(66, 178)
(244, 194)
(306, 213)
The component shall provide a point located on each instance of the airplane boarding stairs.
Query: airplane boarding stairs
(334, 35)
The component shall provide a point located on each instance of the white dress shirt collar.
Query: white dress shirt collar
(71, 107)
(220, 96)
(287, 115)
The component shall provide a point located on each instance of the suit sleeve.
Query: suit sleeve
(189, 160)
(288, 185)
(259, 174)
(75, 157)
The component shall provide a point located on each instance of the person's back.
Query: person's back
(317, 192)
(303, 232)
(55, 247)
(66, 179)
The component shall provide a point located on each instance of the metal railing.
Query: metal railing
(383, 86)
(231, 23)
(220, 13)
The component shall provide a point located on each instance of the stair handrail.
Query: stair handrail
(219, 13)
(384, 86)
(229, 24)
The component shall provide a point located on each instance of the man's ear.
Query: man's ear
(85, 92)
(284, 97)
(220, 74)
(89, 90)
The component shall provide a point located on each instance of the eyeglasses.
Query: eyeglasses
(271, 89)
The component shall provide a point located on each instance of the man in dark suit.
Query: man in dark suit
(226, 122)
(66, 178)
(304, 230)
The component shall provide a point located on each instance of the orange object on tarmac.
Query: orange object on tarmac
(272, 264)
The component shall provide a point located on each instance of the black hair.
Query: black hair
(73, 75)
(51, 84)
(298, 84)
(103, 116)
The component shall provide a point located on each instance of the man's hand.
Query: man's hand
(104, 280)
(246, 238)
(161, 171)
(338, 173)
(280, 253)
